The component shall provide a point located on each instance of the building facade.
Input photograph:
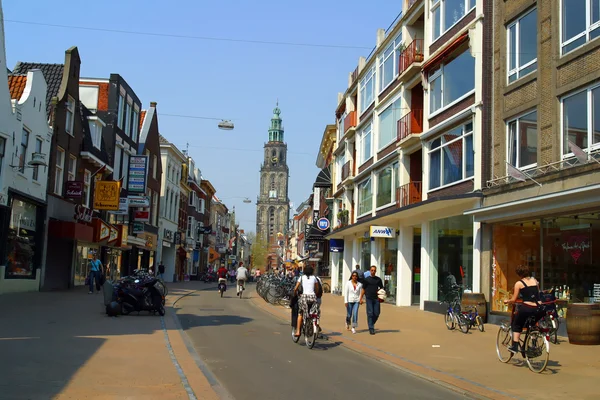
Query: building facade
(196, 208)
(209, 253)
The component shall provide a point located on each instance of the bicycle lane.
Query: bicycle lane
(418, 342)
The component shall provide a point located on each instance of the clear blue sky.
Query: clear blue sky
(231, 80)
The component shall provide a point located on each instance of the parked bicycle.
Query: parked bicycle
(473, 318)
(454, 316)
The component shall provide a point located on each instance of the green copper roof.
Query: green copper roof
(276, 129)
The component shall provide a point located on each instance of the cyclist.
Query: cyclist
(308, 299)
(241, 276)
(528, 288)
(222, 275)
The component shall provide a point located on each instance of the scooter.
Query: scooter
(222, 286)
(144, 298)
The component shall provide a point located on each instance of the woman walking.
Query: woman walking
(351, 300)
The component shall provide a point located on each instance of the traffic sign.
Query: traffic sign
(323, 224)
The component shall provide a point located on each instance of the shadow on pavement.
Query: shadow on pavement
(191, 321)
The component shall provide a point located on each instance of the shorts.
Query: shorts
(523, 314)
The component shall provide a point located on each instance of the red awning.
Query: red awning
(70, 230)
(438, 59)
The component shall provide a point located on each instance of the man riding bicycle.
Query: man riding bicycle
(242, 277)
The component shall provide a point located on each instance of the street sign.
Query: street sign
(323, 224)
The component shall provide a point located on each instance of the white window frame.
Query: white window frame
(121, 111)
(87, 185)
(59, 171)
(441, 4)
(517, 70)
(128, 109)
(590, 27)
(136, 124)
(590, 121)
(38, 149)
(393, 167)
(396, 116)
(69, 115)
(72, 174)
(395, 54)
(190, 226)
(517, 121)
(202, 206)
(96, 131)
(369, 76)
(191, 199)
(362, 157)
(463, 158)
(23, 146)
(440, 74)
(368, 181)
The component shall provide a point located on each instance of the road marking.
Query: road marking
(184, 381)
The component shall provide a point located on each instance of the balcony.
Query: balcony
(410, 124)
(350, 121)
(346, 170)
(412, 57)
(408, 194)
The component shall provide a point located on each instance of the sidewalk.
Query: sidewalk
(406, 338)
(61, 345)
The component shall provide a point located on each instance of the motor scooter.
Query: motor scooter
(222, 286)
(142, 298)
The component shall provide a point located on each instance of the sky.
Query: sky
(224, 79)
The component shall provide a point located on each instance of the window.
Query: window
(367, 89)
(340, 161)
(202, 206)
(154, 166)
(451, 81)
(364, 144)
(70, 115)
(385, 192)
(189, 227)
(451, 157)
(522, 46)
(87, 185)
(121, 114)
(59, 171)
(388, 63)
(388, 124)
(192, 198)
(96, 132)
(365, 197)
(446, 13)
(136, 125)
(128, 119)
(154, 208)
(2, 152)
(341, 127)
(72, 170)
(38, 149)
(580, 23)
(117, 166)
(125, 172)
(522, 141)
(581, 119)
(23, 150)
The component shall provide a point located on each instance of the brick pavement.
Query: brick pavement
(61, 345)
(419, 342)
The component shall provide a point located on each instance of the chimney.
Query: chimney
(153, 104)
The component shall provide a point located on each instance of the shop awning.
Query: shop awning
(537, 206)
(324, 178)
(70, 230)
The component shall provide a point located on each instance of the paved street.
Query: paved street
(253, 356)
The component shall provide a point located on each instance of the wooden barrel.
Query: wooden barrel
(470, 300)
(583, 323)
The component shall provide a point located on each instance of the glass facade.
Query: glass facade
(389, 266)
(21, 246)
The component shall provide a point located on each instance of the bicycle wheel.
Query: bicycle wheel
(479, 322)
(295, 338)
(449, 320)
(503, 342)
(310, 334)
(537, 351)
(463, 324)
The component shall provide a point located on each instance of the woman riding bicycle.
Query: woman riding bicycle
(528, 288)
(308, 299)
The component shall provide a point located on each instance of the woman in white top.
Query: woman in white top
(308, 296)
(351, 300)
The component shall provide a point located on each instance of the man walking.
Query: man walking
(371, 286)
(361, 274)
(95, 273)
(161, 270)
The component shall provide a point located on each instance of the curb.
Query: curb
(270, 309)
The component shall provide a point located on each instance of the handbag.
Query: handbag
(381, 295)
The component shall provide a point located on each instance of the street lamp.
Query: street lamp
(225, 125)
(246, 199)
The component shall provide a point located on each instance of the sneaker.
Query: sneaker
(353, 330)
(90, 292)
(514, 348)
(372, 331)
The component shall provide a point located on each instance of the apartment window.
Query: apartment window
(522, 46)
(121, 114)
(59, 171)
(70, 116)
(72, 170)
(154, 208)
(388, 124)
(522, 141)
(23, 150)
(117, 164)
(581, 119)
(190, 224)
(192, 199)
(96, 132)
(365, 197)
(341, 127)
(364, 144)
(385, 191)
(202, 206)
(451, 158)
(580, 23)
(367, 89)
(451, 81)
(2, 153)
(340, 161)
(125, 169)
(38, 149)
(446, 13)
(136, 125)
(388, 63)
(128, 119)
(87, 186)
(154, 166)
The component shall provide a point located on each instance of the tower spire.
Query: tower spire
(276, 128)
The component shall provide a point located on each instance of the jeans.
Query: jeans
(94, 275)
(161, 275)
(373, 310)
(352, 314)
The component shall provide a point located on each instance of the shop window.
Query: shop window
(522, 141)
(580, 23)
(581, 120)
(365, 197)
(389, 265)
(451, 157)
(522, 46)
(451, 82)
(451, 255)
(21, 243)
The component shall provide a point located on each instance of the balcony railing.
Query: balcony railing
(408, 194)
(346, 170)
(412, 53)
(410, 123)
(350, 121)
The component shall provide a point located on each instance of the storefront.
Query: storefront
(336, 247)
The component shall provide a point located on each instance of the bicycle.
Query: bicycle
(473, 318)
(240, 287)
(310, 328)
(532, 344)
(453, 315)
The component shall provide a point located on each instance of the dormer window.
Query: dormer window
(96, 125)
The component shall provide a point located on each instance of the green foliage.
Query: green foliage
(260, 250)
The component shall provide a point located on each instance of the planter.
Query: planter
(583, 323)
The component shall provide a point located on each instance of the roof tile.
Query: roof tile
(52, 74)
(16, 85)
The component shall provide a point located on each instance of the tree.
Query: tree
(260, 250)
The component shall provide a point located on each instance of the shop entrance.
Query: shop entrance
(416, 267)
(82, 263)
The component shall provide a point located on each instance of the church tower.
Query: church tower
(273, 206)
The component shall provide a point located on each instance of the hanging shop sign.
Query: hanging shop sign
(123, 207)
(113, 234)
(138, 201)
(336, 245)
(102, 230)
(83, 214)
(122, 235)
(323, 224)
(74, 189)
(141, 216)
(138, 173)
(382, 232)
(138, 227)
(107, 195)
(168, 235)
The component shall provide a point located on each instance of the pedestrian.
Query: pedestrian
(161, 270)
(361, 274)
(95, 273)
(371, 286)
(367, 272)
(352, 300)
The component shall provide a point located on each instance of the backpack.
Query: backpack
(318, 288)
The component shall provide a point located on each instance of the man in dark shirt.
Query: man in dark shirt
(371, 286)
